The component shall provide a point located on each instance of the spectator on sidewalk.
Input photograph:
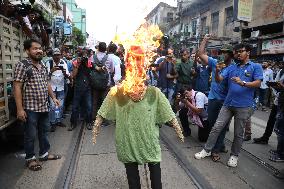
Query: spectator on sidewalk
(58, 71)
(272, 117)
(31, 90)
(264, 89)
(242, 80)
(115, 60)
(218, 91)
(202, 77)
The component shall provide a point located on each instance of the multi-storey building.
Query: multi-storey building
(79, 15)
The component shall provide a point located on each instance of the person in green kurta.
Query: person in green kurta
(137, 130)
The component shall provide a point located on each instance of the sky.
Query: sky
(104, 16)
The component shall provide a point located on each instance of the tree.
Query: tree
(78, 38)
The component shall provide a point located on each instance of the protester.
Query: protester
(184, 80)
(31, 90)
(82, 100)
(218, 91)
(167, 74)
(102, 64)
(242, 79)
(58, 71)
(116, 76)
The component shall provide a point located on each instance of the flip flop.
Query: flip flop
(50, 157)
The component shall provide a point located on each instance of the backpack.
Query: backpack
(99, 79)
(29, 70)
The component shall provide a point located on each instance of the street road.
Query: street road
(85, 165)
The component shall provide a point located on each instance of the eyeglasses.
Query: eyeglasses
(240, 51)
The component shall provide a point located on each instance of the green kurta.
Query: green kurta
(137, 132)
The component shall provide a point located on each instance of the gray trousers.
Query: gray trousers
(241, 116)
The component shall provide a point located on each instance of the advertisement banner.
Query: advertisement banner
(273, 46)
(244, 10)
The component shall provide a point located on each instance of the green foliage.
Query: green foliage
(78, 38)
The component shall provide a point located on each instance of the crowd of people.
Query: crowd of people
(203, 90)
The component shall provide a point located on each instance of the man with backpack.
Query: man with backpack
(31, 90)
(102, 65)
(58, 72)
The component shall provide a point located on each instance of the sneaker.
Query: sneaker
(202, 154)
(260, 140)
(89, 126)
(247, 138)
(233, 161)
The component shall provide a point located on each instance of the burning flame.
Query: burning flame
(140, 50)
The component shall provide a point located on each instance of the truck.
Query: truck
(11, 52)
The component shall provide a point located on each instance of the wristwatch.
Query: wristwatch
(244, 83)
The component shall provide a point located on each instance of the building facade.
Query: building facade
(79, 15)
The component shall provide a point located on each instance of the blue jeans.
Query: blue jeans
(60, 95)
(82, 100)
(214, 107)
(169, 92)
(36, 121)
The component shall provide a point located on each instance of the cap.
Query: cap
(56, 51)
(227, 47)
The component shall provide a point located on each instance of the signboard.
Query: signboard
(243, 10)
(67, 29)
(273, 46)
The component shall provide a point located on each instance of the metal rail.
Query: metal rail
(199, 181)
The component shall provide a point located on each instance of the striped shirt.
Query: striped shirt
(35, 90)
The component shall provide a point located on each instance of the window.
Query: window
(170, 17)
(203, 25)
(229, 15)
(215, 22)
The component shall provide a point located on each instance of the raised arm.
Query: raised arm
(201, 52)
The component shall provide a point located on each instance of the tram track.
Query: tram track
(196, 177)
(71, 172)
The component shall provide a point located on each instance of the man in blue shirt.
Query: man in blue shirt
(218, 91)
(242, 79)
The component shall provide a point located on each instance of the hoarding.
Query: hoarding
(273, 46)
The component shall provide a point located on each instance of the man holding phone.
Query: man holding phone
(58, 72)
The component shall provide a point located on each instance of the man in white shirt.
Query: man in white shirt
(58, 71)
(264, 89)
(116, 62)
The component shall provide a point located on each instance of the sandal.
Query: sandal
(215, 157)
(276, 158)
(33, 165)
(50, 157)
